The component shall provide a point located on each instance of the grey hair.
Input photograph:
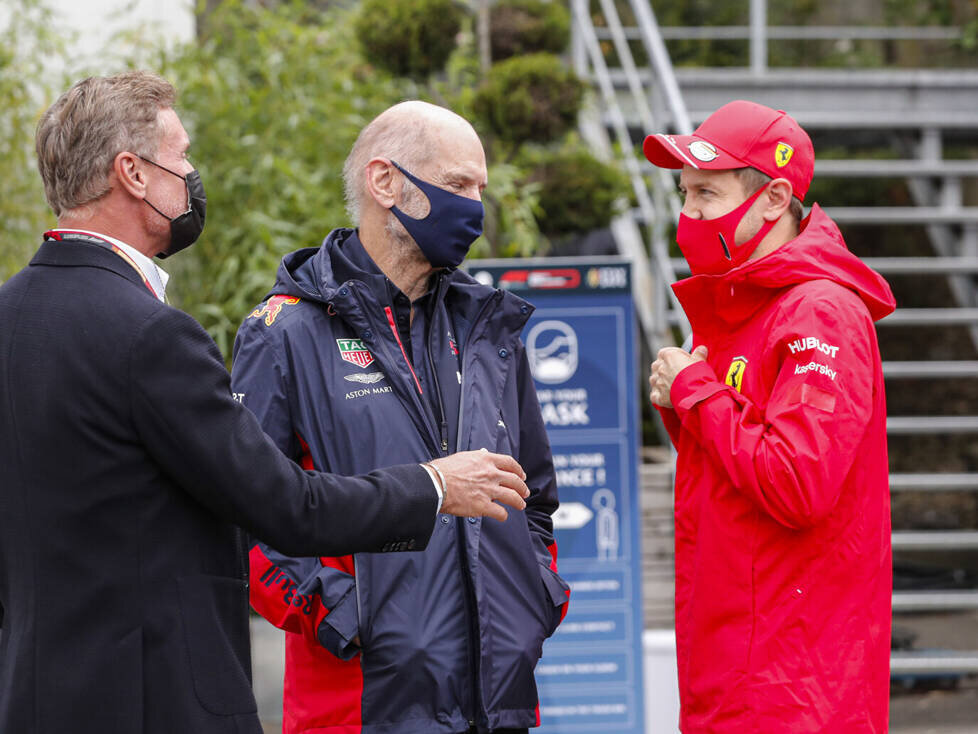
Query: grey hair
(752, 179)
(386, 136)
(80, 135)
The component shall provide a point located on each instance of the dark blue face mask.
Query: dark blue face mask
(453, 223)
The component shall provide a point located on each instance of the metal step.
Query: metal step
(931, 368)
(930, 424)
(949, 662)
(930, 317)
(921, 540)
(939, 482)
(930, 601)
(902, 215)
(867, 168)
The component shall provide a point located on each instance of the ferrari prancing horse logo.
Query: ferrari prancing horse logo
(735, 373)
(782, 154)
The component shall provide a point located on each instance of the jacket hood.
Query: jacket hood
(817, 253)
(315, 272)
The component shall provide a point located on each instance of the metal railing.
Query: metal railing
(644, 100)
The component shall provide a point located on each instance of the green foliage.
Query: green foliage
(529, 98)
(578, 192)
(411, 38)
(528, 26)
(273, 100)
(24, 93)
(511, 205)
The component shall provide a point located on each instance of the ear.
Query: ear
(128, 171)
(382, 185)
(776, 199)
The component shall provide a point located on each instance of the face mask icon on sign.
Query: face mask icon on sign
(551, 347)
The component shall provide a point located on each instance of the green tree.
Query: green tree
(24, 94)
(273, 100)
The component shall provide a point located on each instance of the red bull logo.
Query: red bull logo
(353, 351)
(271, 308)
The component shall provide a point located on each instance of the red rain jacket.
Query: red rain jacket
(783, 561)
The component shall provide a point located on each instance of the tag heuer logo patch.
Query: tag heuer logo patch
(365, 378)
(735, 373)
(782, 154)
(353, 351)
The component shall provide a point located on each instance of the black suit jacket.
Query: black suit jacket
(125, 467)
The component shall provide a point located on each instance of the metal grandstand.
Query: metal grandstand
(912, 111)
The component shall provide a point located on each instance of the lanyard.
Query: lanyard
(67, 235)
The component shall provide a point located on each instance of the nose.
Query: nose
(690, 210)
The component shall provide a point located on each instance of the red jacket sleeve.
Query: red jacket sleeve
(792, 455)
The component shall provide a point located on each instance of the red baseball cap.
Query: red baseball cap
(738, 135)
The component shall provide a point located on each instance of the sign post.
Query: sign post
(580, 343)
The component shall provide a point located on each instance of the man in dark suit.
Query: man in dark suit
(126, 465)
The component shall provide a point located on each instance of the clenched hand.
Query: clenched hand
(478, 480)
(671, 361)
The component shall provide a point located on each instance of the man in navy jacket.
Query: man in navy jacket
(374, 350)
(126, 465)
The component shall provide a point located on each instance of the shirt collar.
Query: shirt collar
(152, 272)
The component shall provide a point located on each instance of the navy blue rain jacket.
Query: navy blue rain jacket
(433, 641)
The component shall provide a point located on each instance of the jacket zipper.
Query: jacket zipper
(471, 603)
(443, 428)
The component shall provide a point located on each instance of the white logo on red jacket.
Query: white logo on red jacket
(812, 342)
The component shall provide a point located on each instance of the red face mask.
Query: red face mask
(709, 245)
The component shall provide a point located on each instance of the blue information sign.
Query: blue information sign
(580, 342)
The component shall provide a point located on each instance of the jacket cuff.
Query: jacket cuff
(340, 626)
(693, 385)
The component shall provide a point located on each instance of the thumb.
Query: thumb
(700, 352)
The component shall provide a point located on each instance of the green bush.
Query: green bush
(528, 26)
(529, 98)
(24, 38)
(577, 192)
(411, 38)
(273, 100)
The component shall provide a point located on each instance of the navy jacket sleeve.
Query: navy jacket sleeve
(214, 448)
(314, 597)
(537, 461)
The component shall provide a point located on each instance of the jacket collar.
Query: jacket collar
(85, 255)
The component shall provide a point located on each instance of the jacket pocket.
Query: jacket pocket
(215, 625)
(558, 593)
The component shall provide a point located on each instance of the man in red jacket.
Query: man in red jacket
(783, 560)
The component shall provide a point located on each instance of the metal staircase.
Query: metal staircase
(912, 112)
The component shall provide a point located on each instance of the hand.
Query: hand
(671, 361)
(477, 480)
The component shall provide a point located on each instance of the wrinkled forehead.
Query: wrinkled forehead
(702, 177)
(457, 151)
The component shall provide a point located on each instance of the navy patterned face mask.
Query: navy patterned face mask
(453, 223)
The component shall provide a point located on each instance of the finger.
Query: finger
(508, 497)
(700, 351)
(508, 463)
(496, 512)
(513, 482)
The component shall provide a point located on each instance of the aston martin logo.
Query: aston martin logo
(365, 378)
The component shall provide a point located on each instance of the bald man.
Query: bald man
(373, 350)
